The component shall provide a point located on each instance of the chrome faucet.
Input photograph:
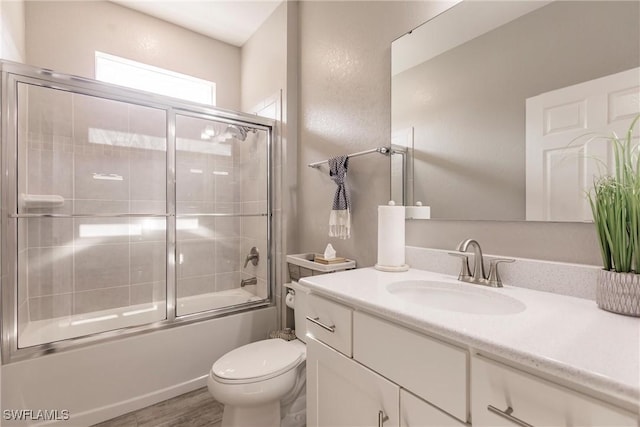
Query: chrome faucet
(250, 281)
(253, 256)
(478, 262)
(478, 276)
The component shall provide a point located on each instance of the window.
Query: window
(136, 75)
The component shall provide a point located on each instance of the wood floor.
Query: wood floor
(193, 409)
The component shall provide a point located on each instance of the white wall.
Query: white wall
(264, 60)
(63, 36)
(12, 23)
(345, 106)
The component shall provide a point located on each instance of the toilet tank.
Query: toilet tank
(300, 309)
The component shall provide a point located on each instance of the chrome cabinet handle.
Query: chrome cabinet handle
(316, 320)
(507, 414)
(382, 418)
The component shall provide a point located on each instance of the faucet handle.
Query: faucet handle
(465, 273)
(494, 277)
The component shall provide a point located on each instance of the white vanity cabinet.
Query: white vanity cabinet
(504, 396)
(415, 412)
(343, 393)
(363, 370)
(433, 370)
(330, 323)
(391, 372)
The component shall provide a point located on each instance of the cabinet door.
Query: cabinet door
(429, 368)
(341, 392)
(415, 412)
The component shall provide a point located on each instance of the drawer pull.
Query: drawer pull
(507, 414)
(316, 320)
(382, 418)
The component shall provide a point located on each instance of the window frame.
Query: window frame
(172, 79)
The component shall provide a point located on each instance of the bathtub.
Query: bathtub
(60, 328)
(214, 300)
(108, 379)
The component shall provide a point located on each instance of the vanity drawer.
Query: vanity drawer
(534, 401)
(330, 323)
(433, 370)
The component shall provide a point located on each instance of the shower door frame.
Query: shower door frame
(14, 73)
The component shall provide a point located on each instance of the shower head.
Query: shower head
(238, 132)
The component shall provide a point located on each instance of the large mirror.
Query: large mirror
(491, 102)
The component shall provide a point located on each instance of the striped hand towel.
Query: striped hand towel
(340, 218)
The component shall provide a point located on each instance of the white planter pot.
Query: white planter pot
(619, 292)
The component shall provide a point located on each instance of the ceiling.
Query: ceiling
(231, 21)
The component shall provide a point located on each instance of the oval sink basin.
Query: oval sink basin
(461, 298)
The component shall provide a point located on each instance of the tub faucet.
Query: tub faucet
(253, 256)
(250, 281)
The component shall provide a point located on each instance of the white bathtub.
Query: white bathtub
(105, 380)
(50, 330)
(213, 300)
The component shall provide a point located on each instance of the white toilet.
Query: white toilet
(263, 383)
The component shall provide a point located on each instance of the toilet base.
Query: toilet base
(265, 415)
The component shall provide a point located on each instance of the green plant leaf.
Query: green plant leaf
(615, 205)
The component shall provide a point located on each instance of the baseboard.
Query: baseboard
(104, 413)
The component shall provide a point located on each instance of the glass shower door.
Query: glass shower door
(91, 214)
(221, 214)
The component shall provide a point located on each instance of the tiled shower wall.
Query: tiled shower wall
(233, 181)
(207, 249)
(105, 156)
(102, 157)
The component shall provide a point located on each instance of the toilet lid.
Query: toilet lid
(258, 360)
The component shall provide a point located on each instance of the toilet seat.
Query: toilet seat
(256, 362)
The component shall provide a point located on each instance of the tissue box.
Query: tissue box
(303, 265)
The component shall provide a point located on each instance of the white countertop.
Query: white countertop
(567, 337)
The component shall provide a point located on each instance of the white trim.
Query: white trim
(107, 412)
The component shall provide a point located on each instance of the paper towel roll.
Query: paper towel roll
(289, 300)
(391, 238)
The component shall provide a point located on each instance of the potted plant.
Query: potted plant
(615, 204)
